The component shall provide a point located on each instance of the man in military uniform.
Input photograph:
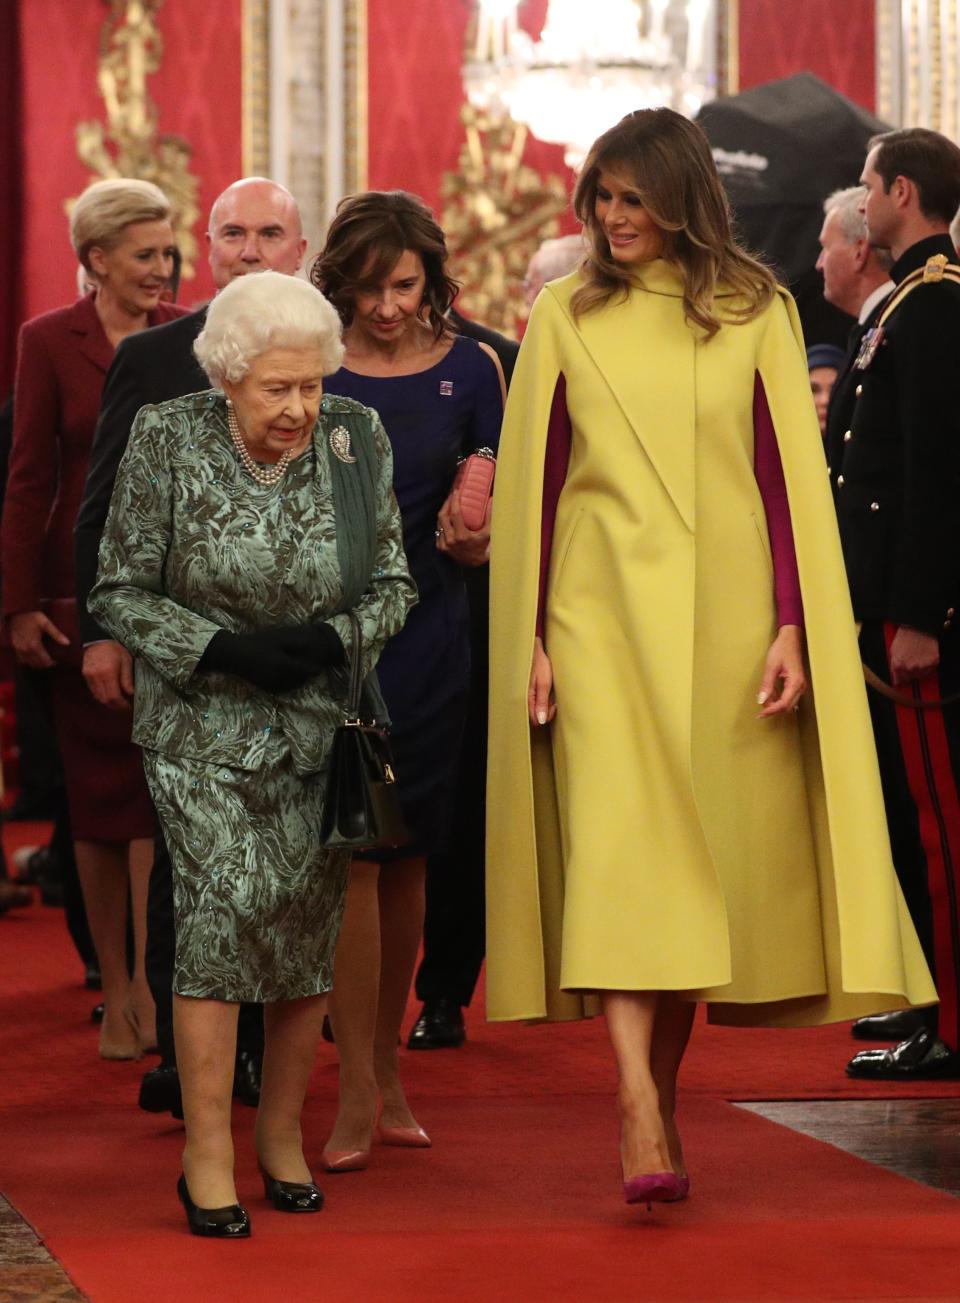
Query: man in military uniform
(896, 477)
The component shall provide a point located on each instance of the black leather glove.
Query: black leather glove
(277, 660)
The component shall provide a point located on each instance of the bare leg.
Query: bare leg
(353, 1009)
(631, 1016)
(292, 1033)
(103, 872)
(671, 1033)
(401, 927)
(206, 1037)
(141, 862)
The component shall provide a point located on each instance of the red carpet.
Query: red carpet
(518, 1200)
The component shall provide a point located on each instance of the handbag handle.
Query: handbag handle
(353, 692)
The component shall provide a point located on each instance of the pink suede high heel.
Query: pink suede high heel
(683, 1191)
(345, 1160)
(403, 1137)
(654, 1187)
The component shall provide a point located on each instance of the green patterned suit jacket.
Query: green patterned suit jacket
(193, 544)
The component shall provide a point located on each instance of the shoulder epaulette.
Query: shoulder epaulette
(935, 269)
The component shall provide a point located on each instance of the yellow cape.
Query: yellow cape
(659, 836)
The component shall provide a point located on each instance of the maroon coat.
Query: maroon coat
(63, 360)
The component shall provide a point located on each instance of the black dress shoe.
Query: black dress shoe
(897, 1026)
(439, 1027)
(160, 1091)
(922, 1057)
(246, 1077)
(229, 1223)
(292, 1196)
(96, 1013)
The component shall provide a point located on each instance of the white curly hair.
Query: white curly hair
(261, 311)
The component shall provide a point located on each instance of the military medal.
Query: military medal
(868, 348)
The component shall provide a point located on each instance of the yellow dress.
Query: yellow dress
(658, 836)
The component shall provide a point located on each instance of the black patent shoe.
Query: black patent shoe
(921, 1057)
(230, 1223)
(246, 1077)
(96, 1013)
(160, 1091)
(439, 1027)
(898, 1026)
(292, 1196)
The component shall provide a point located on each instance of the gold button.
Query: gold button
(874, 506)
(858, 391)
(839, 481)
(848, 436)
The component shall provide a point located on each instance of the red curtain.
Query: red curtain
(11, 193)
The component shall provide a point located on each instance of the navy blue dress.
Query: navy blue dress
(432, 419)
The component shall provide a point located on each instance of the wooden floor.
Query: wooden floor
(28, 1273)
(918, 1138)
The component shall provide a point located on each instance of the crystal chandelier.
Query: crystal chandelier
(595, 61)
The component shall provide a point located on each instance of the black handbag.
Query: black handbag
(361, 809)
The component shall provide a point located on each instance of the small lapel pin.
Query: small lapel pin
(340, 444)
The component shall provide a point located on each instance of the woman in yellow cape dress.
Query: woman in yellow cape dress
(656, 837)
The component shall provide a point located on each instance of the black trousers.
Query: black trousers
(919, 755)
(160, 955)
(38, 764)
(35, 730)
(454, 931)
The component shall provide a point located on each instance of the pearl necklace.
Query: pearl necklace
(267, 478)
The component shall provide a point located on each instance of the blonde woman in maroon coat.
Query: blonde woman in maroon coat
(121, 232)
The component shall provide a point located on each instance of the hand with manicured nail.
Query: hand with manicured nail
(540, 699)
(784, 676)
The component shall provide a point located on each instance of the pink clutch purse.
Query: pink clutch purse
(474, 480)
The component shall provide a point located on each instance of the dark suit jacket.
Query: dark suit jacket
(148, 368)
(63, 358)
(897, 478)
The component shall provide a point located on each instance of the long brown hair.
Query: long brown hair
(666, 158)
(368, 236)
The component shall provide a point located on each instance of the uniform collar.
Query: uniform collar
(917, 255)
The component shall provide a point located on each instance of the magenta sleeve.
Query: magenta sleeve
(555, 462)
(768, 469)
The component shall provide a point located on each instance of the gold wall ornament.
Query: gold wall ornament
(496, 212)
(131, 51)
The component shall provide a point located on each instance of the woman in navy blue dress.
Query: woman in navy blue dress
(440, 397)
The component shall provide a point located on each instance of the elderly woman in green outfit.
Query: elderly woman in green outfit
(247, 524)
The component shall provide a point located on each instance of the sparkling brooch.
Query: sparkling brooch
(340, 444)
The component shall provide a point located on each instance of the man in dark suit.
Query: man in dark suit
(254, 226)
(896, 477)
(856, 279)
(454, 936)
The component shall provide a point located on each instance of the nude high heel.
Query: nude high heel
(345, 1160)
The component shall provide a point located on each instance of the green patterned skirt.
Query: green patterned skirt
(257, 901)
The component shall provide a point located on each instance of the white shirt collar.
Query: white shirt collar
(871, 301)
